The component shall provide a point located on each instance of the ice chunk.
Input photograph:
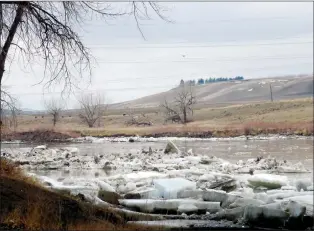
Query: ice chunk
(305, 200)
(181, 224)
(284, 195)
(274, 205)
(303, 184)
(150, 205)
(292, 169)
(145, 193)
(256, 214)
(40, 147)
(207, 177)
(268, 180)
(295, 209)
(243, 192)
(171, 148)
(276, 191)
(184, 208)
(193, 159)
(229, 200)
(190, 194)
(261, 196)
(143, 175)
(130, 186)
(47, 181)
(288, 187)
(105, 186)
(309, 188)
(214, 195)
(169, 188)
(72, 150)
(242, 202)
(215, 178)
(208, 195)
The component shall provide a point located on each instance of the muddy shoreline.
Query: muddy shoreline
(50, 136)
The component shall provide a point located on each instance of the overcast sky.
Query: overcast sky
(206, 39)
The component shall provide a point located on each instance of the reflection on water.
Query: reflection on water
(293, 150)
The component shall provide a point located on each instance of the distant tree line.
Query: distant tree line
(202, 81)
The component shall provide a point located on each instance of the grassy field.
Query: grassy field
(291, 116)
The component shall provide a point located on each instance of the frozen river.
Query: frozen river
(213, 177)
(293, 149)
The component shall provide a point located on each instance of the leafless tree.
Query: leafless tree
(47, 30)
(182, 105)
(92, 108)
(131, 117)
(9, 109)
(54, 108)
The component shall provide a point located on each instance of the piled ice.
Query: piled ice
(181, 182)
(271, 164)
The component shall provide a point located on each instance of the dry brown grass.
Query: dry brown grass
(108, 226)
(288, 117)
(11, 170)
(296, 128)
(26, 204)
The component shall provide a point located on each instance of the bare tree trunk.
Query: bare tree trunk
(184, 115)
(8, 42)
(54, 120)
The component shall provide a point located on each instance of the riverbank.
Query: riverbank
(55, 135)
(27, 204)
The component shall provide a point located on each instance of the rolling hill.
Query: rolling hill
(234, 92)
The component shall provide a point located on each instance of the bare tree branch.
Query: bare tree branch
(9, 109)
(136, 120)
(46, 30)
